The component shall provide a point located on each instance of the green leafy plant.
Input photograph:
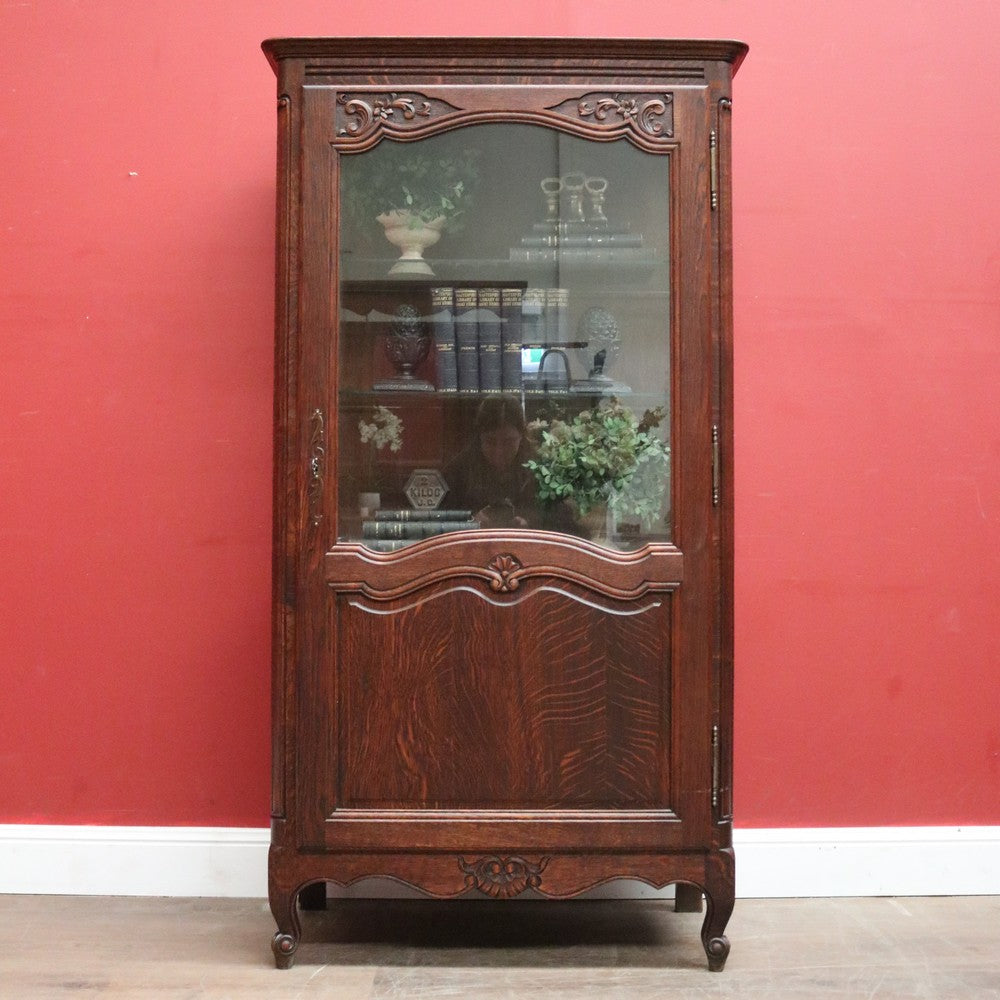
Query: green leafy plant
(604, 455)
(407, 177)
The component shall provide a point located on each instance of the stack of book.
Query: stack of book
(477, 338)
(393, 529)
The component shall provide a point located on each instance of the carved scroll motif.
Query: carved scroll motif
(503, 569)
(502, 878)
(317, 466)
(363, 116)
(648, 115)
(361, 119)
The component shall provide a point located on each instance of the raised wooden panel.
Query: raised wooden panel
(454, 698)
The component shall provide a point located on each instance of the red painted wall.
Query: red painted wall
(136, 246)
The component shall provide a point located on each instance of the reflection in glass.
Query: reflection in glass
(525, 381)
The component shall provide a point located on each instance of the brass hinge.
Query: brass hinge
(713, 154)
(715, 767)
(716, 471)
(725, 104)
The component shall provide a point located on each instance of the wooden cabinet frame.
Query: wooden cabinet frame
(341, 810)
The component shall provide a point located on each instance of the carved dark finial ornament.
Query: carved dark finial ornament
(503, 570)
(503, 878)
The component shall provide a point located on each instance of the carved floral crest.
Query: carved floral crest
(503, 570)
(360, 115)
(503, 878)
(651, 115)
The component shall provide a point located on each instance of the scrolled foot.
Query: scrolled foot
(720, 894)
(284, 947)
(717, 949)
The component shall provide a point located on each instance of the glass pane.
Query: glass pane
(504, 348)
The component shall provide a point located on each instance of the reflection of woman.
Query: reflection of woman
(488, 477)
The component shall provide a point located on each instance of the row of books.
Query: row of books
(391, 529)
(479, 333)
(412, 514)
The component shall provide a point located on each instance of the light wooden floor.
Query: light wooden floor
(202, 949)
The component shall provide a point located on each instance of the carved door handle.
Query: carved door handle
(317, 466)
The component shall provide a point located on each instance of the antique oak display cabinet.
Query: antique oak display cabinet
(503, 475)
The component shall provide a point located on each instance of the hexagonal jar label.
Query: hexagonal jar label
(425, 489)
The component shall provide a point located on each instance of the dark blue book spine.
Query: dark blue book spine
(443, 325)
(488, 316)
(467, 339)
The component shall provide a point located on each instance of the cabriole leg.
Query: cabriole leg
(286, 941)
(720, 895)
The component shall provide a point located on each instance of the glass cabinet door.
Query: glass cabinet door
(504, 337)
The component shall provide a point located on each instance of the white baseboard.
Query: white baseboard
(211, 861)
(869, 861)
(133, 861)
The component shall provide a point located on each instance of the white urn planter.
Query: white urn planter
(413, 236)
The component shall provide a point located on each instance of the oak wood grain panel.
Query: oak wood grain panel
(458, 701)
